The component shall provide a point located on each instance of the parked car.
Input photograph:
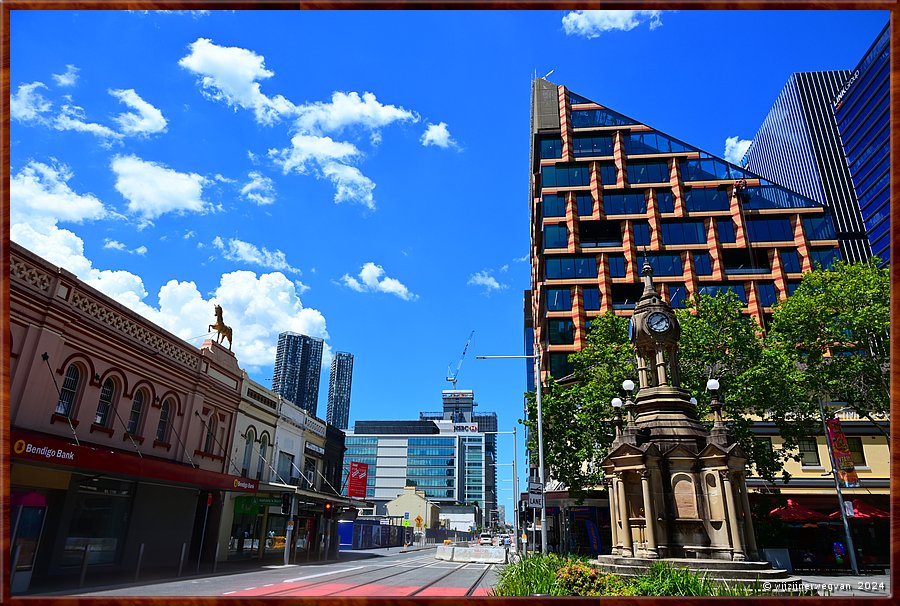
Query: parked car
(485, 538)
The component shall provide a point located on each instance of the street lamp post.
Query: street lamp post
(840, 495)
(540, 427)
(515, 478)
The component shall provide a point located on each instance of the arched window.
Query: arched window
(105, 405)
(68, 391)
(248, 453)
(263, 453)
(162, 430)
(137, 407)
(210, 435)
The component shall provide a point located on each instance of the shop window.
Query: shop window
(162, 430)
(249, 439)
(104, 406)
(137, 409)
(809, 452)
(67, 394)
(100, 516)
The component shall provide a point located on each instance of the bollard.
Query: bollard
(84, 564)
(181, 561)
(137, 571)
(216, 558)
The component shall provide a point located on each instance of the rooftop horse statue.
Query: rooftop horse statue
(220, 326)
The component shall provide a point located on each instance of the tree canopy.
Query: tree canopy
(828, 340)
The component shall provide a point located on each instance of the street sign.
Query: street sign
(406, 523)
(419, 521)
(405, 515)
(290, 525)
(535, 495)
(385, 522)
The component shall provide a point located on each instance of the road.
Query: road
(415, 573)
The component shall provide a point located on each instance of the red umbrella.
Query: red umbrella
(863, 510)
(794, 512)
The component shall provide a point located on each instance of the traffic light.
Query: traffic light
(329, 511)
(286, 499)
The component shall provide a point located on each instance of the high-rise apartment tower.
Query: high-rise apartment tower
(605, 188)
(298, 367)
(338, 412)
(862, 110)
(799, 146)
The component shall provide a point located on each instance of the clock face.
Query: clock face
(658, 322)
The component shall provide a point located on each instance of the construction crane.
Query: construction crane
(452, 377)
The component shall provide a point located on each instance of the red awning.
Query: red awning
(863, 510)
(794, 512)
(53, 450)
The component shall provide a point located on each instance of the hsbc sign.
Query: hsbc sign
(465, 428)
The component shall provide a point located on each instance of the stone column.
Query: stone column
(752, 550)
(627, 544)
(732, 514)
(649, 515)
(613, 517)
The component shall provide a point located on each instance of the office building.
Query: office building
(605, 188)
(338, 411)
(798, 146)
(862, 112)
(298, 366)
(448, 455)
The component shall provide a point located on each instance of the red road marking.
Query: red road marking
(267, 590)
(482, 591)
(381, 590)
(443, 591)
(322, 589)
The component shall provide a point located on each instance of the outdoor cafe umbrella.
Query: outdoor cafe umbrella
(863, 510)
(794, 512)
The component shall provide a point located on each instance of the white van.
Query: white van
(485, 538)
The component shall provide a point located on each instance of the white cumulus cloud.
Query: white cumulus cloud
(146, 120)
(72, 117)
(351, 184)
(485, 280)
(259, 189)
(41, 192)
(349, 109)
(67, 79)
(238, 250)
(439, 135)
(28, 105)
(371, 278)
(735, 148)
(312, 148)
(232, 74)
(153, 189)
(591, 24)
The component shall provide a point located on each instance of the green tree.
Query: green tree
(837, 323)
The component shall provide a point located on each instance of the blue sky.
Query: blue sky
(357, 176)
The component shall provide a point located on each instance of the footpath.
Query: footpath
(102, 581)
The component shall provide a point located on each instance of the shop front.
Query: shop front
(78, 506)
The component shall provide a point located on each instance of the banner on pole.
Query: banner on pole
(842, 457)
(356, 483)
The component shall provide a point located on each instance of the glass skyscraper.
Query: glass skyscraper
(798, 146)
(862, 112)
(338, 411)
(605, 188)
(298, 367)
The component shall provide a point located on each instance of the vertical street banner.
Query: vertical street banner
(356, 483)
(842, 457)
